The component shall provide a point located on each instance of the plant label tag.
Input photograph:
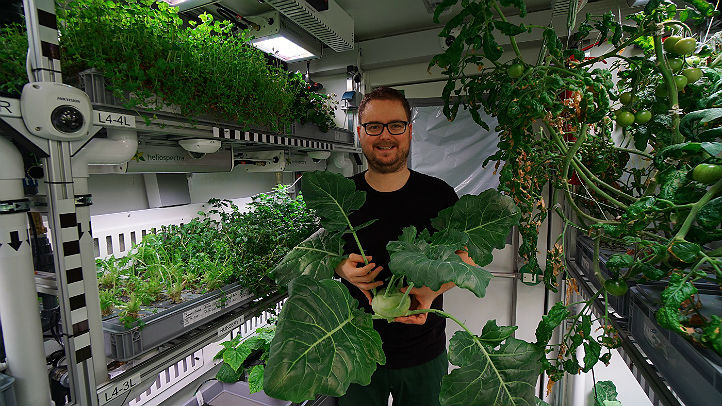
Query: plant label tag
(225, 329)
(9, 107)
(205, 310)
(118, 389)
(108, 119)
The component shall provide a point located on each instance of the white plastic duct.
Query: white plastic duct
(19, 312)
(120, 146)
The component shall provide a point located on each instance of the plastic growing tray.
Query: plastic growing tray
(228, 394)
(165, 321)
(695, 374)
(7, 392)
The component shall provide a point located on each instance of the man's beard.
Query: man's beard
(387, 167)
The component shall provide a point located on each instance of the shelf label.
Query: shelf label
(118, 389)
(201, 312)
(225, 329)
(9, 107)
(108, 119)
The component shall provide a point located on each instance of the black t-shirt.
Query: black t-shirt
(415, 204)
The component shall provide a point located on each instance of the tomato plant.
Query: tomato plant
(642, 116)
(616, 287)
(515, 70)
(685, 46)
(624, 118)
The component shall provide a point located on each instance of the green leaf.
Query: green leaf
(549, 322)
(592, 349)
(234, 357)
(445, 4)
(685, 251)
(605, 391)
(704, 7)
(520, 4)
(436, 265)
(492, 335)
(255, 379)
(316, 257)
(509, 28)
(323, 343)
(619, 261)
(228, 374)
(492, 50)
(691, 123)
(333, 197)
(651, 6)
(651, 272)
(710, 216)
(506, 376)
(487, 219)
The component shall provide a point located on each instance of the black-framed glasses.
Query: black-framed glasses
(394, 127)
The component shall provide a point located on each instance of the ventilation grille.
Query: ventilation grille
(333, 27)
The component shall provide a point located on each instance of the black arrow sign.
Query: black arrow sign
(15, 240)
(80, 231)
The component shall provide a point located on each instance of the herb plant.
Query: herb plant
(556, 116)
(13, 48)
(217, 248)
(154, 60)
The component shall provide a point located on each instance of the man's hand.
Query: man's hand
(356, 273)
(421, 298)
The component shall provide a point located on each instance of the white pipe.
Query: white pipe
(120, 146)
(19, 311)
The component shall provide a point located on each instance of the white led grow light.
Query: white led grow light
(283, 48)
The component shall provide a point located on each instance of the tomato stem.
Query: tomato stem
(692, 216)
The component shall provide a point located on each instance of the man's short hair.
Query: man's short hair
(384, 93)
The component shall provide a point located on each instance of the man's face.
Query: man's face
(385, 152)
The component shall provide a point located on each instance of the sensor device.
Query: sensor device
(56, 111)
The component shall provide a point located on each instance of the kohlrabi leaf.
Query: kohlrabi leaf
(493, 335)
(505, 376)
(333, 197)
(323, 343)
(317, 257)
(408, 241)
(487, 219)
(433, 265)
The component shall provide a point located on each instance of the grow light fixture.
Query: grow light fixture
(283, 49)
(283, 39)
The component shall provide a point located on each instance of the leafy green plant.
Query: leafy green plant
(13, 48)
(212, 250)
(556, 116)
(245, 359)
(605, 394)
(324, 341)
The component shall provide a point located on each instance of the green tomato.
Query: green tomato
(680, 81)
(515, 70)
(624, 118)
(616, 287)
(626, 98)
(692, 60)
(707, 173)
(670, 42)
(675, 64)
(685, 46)
(692, 74)
(642, 116)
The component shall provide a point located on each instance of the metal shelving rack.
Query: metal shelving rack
(651, 382)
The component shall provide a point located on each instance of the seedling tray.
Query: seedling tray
(164, 321)
(227, 394)
(695, 374)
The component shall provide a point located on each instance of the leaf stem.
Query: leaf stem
(692, 216)
(663, 66)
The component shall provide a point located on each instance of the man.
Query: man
(415, 346)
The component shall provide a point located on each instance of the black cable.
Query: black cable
(594, 382)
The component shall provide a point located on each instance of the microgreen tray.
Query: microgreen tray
(164, 321)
